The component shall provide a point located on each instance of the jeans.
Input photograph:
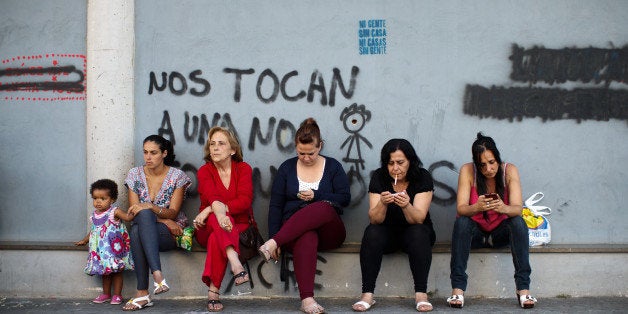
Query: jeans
(416, 240)
(467, 235)
(148, 238)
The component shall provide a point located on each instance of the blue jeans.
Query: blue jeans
(467, 235)
(148, 238)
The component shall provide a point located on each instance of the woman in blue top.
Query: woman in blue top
(308, 194)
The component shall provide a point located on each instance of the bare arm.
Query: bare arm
(416, 211)
(82, 241)
(514, 194)
(465, 181)
(378, 206)
(171, 212)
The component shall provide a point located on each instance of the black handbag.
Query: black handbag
(250, 241)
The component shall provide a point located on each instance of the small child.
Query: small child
(109, 243)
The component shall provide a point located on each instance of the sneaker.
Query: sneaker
(117, 299)
(102, 298)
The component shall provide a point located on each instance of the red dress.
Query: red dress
(238, 198)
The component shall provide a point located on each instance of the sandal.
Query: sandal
(367, 306)
(456, 297)
(243, 274)
(522, 299)
(161, 287)
(138, 306)
(313, 308)
(214, 303)
(423, 303)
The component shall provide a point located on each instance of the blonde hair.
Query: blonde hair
(233, 141)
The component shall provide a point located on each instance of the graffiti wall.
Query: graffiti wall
(551, 91)
(42, 120)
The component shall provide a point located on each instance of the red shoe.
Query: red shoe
(102, 298)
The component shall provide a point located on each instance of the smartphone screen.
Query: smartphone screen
(491, 196)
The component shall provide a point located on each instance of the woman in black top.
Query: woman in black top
(400, 193)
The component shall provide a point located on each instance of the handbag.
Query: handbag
(250, 241)
(539, 228)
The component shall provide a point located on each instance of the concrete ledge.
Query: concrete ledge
(354, 247)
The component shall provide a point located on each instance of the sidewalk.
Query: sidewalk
(332, 305)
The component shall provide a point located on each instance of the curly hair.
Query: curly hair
(107, 185)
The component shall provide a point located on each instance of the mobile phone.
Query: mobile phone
(491, 196)
(402, 192)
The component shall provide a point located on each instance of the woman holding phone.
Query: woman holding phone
(489, 205)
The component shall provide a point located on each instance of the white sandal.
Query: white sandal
(137, 306)
(456, 297)
(424, 303)
(365, 304)
(525, 298)
(161, 287)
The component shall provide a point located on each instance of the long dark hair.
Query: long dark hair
(164, 146)
(404, 146)
(483, 143)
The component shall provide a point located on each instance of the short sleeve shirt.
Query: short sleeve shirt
(381, 181)
(175, 178)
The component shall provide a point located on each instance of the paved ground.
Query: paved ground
(333, 305)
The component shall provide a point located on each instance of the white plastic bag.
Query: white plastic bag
(539, 229)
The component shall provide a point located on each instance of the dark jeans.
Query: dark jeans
(148, 238)
(416, 240)
(467, 235)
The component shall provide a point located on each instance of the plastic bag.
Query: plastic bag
(539, 228)
(184, 241)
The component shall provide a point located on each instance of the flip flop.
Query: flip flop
(365, 304)
(241, 274)
(213, 304)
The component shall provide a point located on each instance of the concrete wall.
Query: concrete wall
(546, 80)
(490, 275)
(543, 78)
(42, 120)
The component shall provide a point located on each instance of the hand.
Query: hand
(135, 209)
(174, 228)
(386, 198)
(79, 243)
(225, 222)
(487, 204)
(401, 199)
(276, 253)
(306, 195)
(200, 220)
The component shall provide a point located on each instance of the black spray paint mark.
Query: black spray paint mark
(71, 86)
(354, 119)
(441, 185)
(178, 84)
(284, 134)
(585, 65)
(548, 104)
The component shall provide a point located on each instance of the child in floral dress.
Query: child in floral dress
(109, 243)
